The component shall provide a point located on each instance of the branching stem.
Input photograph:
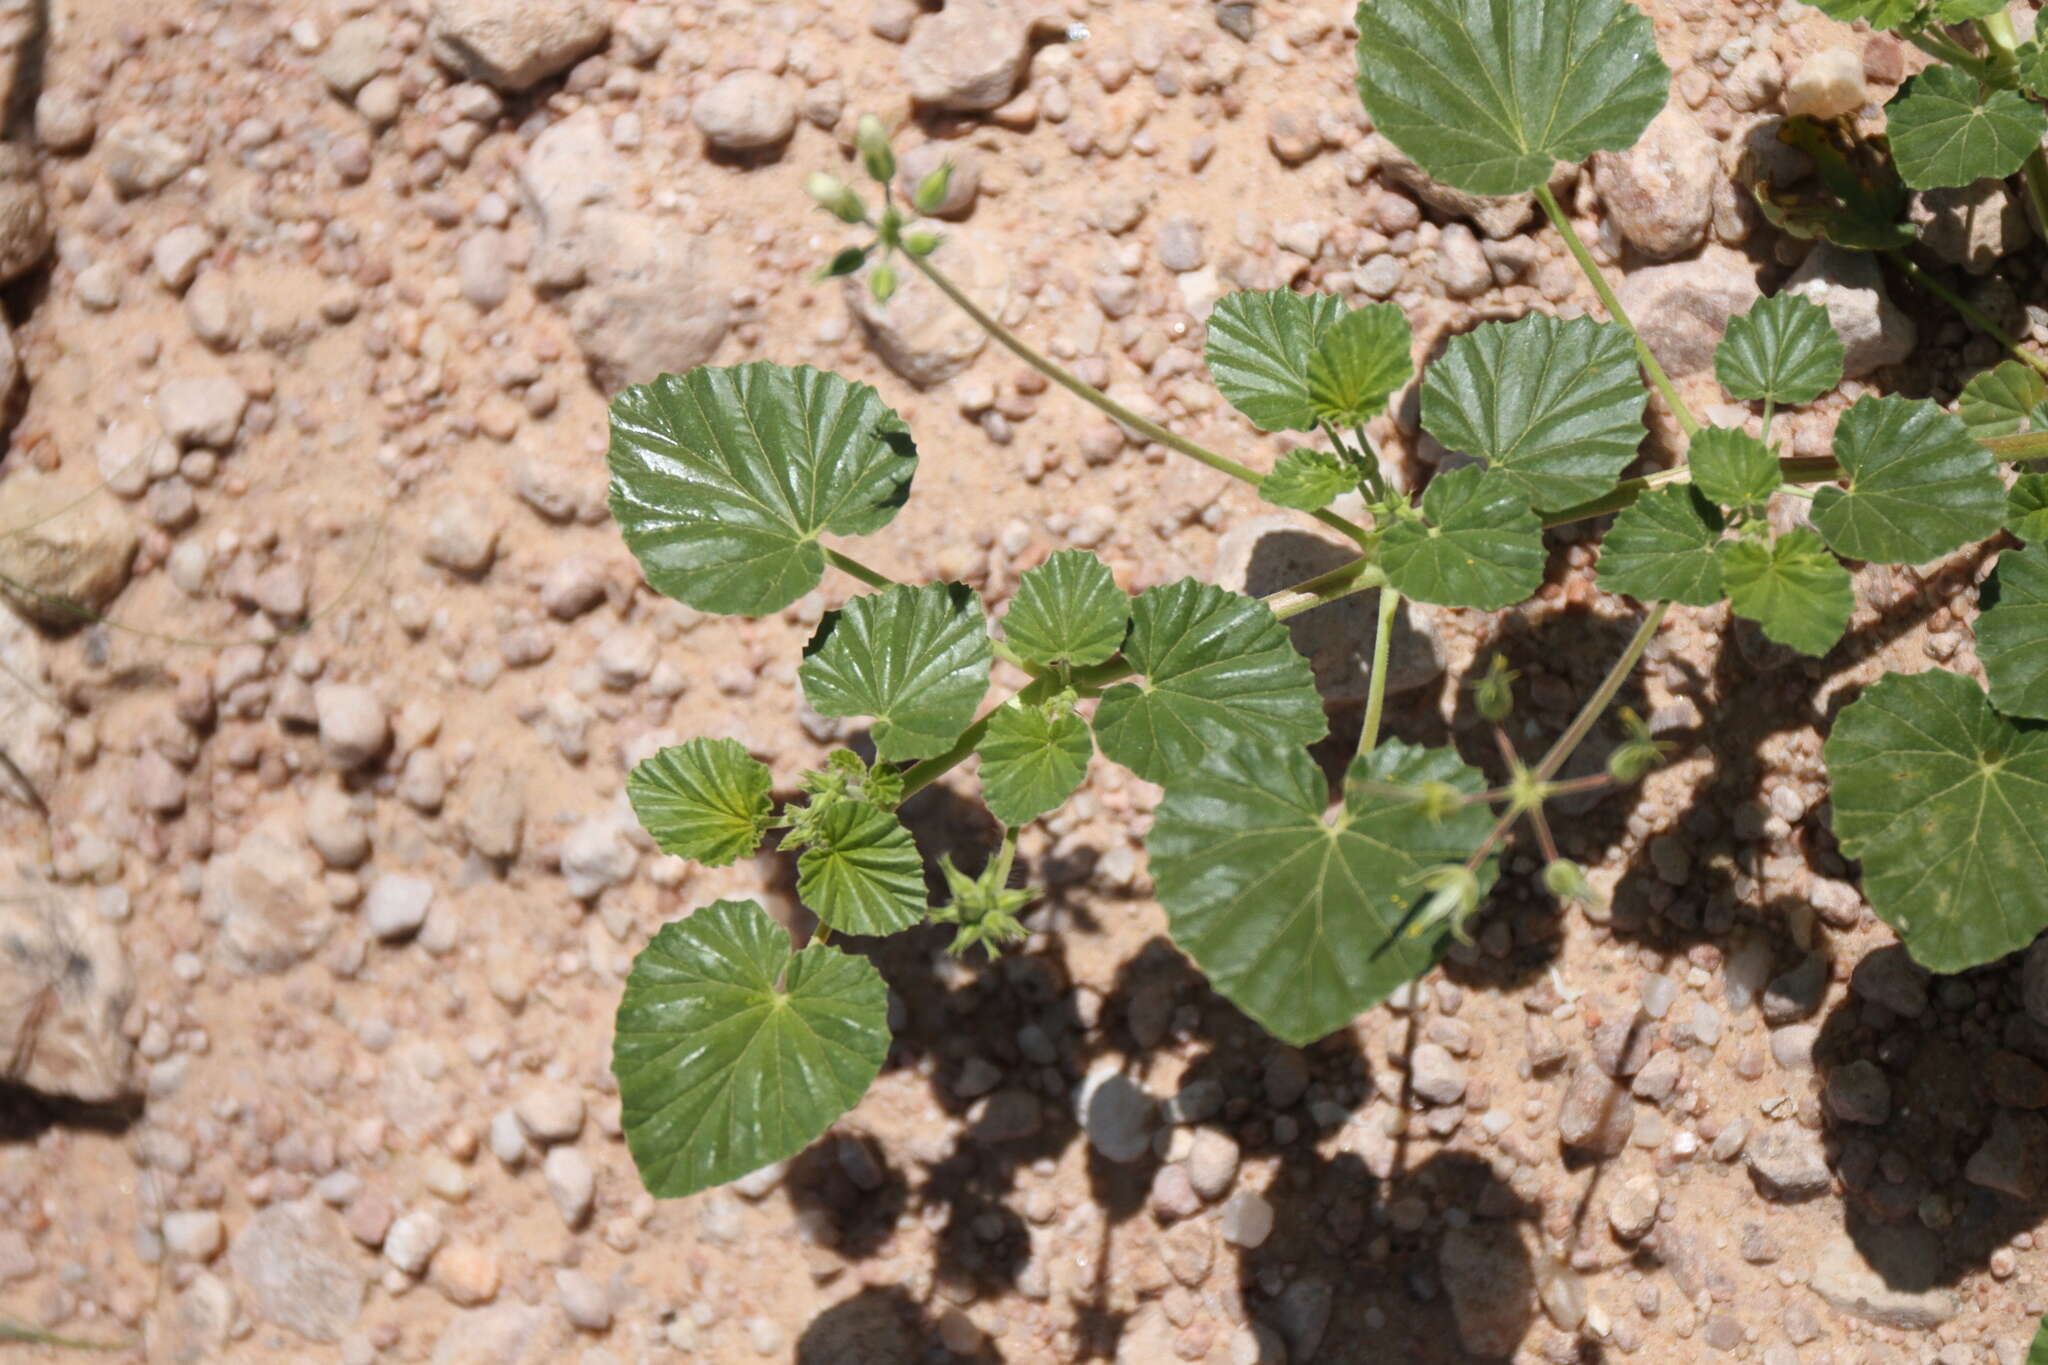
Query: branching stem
(1969, 312)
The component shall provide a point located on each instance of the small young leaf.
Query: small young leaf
(1363, 360)
(1489, 95)
(1305, 924)
(732, 1052)
(1798, 592)
(1784, 350)
(2032, 73)
(861, 872)
(1260, 345)
(1733, 468)
(2012, 637)
(707, 800)
(1032, 759)
(1661, 549)
(2001, 400)
(845, 262)
(723, 479)
(1940, 797)
(1949, 129)
(2026, 508)
(1067, 608)
(1556, 406)
(1919, 487)
(1482, 546)
(1217, 665)
(914, 658)
(1306, 480)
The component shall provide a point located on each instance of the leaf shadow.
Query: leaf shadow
(881, 1326)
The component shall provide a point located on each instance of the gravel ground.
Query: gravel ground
(318, 887)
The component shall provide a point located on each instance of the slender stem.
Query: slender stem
(823, 934)
(1934, 45)
(848, 564)
(1971, 314)
(1095, 397)
(1376, 688)
(2032, 445)
(1359, 575)
(1770, 414)
(1598, 279)
(1568, 743)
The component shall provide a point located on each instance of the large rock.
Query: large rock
(1265, 554)
(66, 553)
(514, 43)
(293, 1260)
(1660, 192)
(1902, 1294)
(919, 333)
(264, 900)
(64, 986)
(746, 111)
(25, 231)
(1874, 330)
(1488, 1272)
(1787, 1164)
(970, 56)
(1683, 308)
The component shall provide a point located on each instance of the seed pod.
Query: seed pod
(836, 197)
(873, 141)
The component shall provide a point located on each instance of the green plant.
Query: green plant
(735, 1050)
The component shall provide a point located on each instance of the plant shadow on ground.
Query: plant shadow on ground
(26, 1115)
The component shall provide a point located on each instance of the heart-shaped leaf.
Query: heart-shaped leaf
(1260, 345)
(733, 1052)
(860, 871)
(1941, 799)
(1032, 759)
(1554, 405)
(1068, 608)
(1305, 923)
(1489, 95)
(723, 479)
(1918, 486)
(708, 800)
(1217, 665)
(914, 658)
(1363, 360)
(1783, 350)
(2026, 508)
(1306, 480)
(1661, 549)
(2012, 636)
(1947, 128)
(1733, 467)
(1798, 592)
(2001, 400)
(1481, 546)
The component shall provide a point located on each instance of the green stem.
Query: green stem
(2032, 445)
(1357, 576)
(1376, 689)
(1971, 314)
(1101, 401)
(1934, 45)
(2004, 43)
(1582, 725)
(848, 564)
(1598, 279)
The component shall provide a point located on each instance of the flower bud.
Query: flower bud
(873, 141)
(836, 197)
(1566, 880)
(931, 191)
(882, 283)
(1495, 693)
(920, 243)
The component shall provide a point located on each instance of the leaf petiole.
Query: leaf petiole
(1376, 687)
(847, 564)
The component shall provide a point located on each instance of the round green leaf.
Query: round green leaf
(1304, 923)
(2026, 508)
(1798, 592)
(1217, 665)
(1949, 129)
(1363, 360)
(1067, 608)
(707, 799)
(732, 1052)
(1478, 545)
(1032, 759)
(2001, 400)
(1733, 467)
(1662, 549)
(1941, 799)
(2012, 636)
(914, 658)
(723, 479)
(1306, 480)
(1488, 95)
(1918, 486)
(1259, 348)
(1555, 406)
(1784, 350)
(861, 872)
